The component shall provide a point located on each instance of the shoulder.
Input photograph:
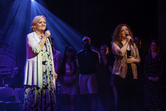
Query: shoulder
(135, 46)
(95, 52)
(58, 52)
(79, 51)
(31, 35)
(116, 45)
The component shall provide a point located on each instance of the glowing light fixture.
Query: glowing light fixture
(16, 26)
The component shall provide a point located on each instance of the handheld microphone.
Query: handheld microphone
(130, 39)
(49, 38)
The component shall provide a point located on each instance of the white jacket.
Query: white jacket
(33, 66)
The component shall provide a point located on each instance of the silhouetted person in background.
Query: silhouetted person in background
(88, 60)
(106, 100)
(56, 57)
(155, 96)
(57, 65)
(69, 83)
(139, 91)
(16, 79)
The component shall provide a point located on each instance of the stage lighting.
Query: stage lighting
(32, 0)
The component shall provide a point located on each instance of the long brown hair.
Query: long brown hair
(117, 33)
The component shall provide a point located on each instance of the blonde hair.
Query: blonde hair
(35, 20)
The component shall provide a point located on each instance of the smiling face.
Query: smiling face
(104, 50)
(38, 23)
(153, 46)
(41, 25)
(124, 31)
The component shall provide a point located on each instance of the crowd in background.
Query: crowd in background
(107, 79)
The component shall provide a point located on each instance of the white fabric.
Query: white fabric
(33, 66)
(68, 68)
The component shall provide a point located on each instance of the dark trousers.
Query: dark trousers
(125, 89)
(106, 100)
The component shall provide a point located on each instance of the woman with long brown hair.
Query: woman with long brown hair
(69, 84)
(125, 68)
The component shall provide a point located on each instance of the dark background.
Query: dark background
(94, 18)
(98, 18)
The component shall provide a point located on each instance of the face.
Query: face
(124, 31)
(69, 53)
(16, 71)
(104, 50)
(86, 42)
(153, 46)
(41, 25)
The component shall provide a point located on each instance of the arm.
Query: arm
(60, 75)
(34, 45)
(146, 70)
(62, 80)
(124, 48)
(57, 62)
(110, 68)
(125, 45)
(43, 40)
(135, 59)
(116, 50)
(76, 75)
(97, 65)
(161, 68)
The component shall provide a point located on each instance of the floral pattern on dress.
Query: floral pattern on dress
(42, 99)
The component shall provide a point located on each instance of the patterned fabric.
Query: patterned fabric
(42, 99)
(154, 91)
(120, 64)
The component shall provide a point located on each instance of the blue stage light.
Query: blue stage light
(17, 17)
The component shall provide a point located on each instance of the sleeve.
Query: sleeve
(161, 67)
(57, 63)
(78, 57)
(146, 69)
(137, 53)
(77, 63)
(116, 50)
(97, 57)
(32, 44)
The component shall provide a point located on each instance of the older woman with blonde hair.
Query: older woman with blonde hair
(125, 69)
(40, 76)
